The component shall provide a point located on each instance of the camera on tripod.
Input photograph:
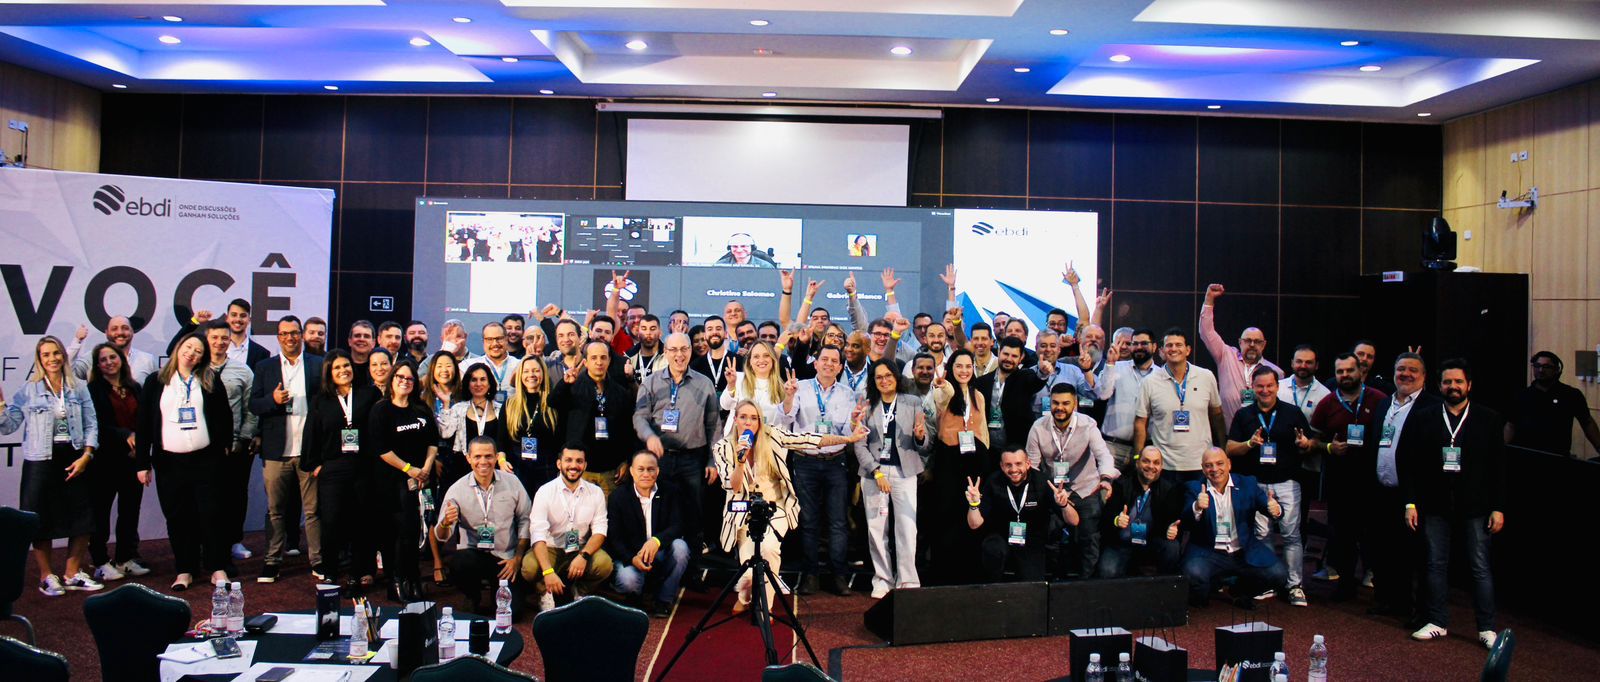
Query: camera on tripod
(759, 512)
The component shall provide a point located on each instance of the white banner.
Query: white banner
(80, 248)
(1013, 262)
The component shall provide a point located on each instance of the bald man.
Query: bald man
(1235, 366)
(1220, 514)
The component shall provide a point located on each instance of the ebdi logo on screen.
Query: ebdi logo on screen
(110, 199)
(985, 229)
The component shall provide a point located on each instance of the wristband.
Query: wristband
(780, 347)
(586, 556)
(548, 571)
(806, 301)
(789, 292)
(888, 294)
(406, 469)
(878, 474)
(658, 540)
(1411, 506)
(974, 505)
(894, 335)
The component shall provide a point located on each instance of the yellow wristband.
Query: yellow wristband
(806, 301)
(877, 474)
(780, 347)
(658, 540)
(894, 335)
(406, 469)
(1411, 506)
(548, 571)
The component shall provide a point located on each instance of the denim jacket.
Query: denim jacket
(33, 410)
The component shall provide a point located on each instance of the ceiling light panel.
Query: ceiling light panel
(975, 8)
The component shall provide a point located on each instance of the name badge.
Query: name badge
(1058, 472)
(1247, 397)
(969, 442)
(1452, 459)
(1017, 533)
(1136, 532)
(669, 421)
(530, 448)
(1269, 453)
(349, 441)
(1355, 434)
(426, 497)
(883, 452)
(1224, 531)
(186, 418)
(1387, 439)
(825, 426)
(485, 537)
(1180, 421)
(61, 430)
(1085, 402)
(500, 397)
(571, 544)
(600, 432)
(994, 417)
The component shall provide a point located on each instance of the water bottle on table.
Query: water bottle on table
(1094, 672)
(236, 609)
(1124, 668)
(219, 609)
(447, 634)
(358, 633)
(1280, 668)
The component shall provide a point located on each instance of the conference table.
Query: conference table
(293, 638)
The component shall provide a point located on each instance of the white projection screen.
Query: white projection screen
(786, 162)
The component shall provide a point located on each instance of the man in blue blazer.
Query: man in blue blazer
(1220, 515)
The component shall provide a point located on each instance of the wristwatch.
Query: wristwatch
(587, 557)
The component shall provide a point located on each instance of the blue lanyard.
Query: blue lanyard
(1138, 507)
(1294, 391)
(188, 390)
(822, 406)
(1357, 409)
(1181, 388)
(854, 378)
(675, 385)
(1267, 425)
(600, 399)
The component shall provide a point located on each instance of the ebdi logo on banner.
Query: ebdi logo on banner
(111, 199)
(1011, 261)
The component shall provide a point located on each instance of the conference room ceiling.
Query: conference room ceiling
(1344, 59)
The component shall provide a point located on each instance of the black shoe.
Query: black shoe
(319, 574)
(809, 585)
(269, 574)
(839, 586)
(662, 609)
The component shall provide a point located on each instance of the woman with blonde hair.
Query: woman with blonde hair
(532, 432)
(756, 460)
(59, 436)
(760, 383)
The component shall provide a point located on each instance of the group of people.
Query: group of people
(568, 456)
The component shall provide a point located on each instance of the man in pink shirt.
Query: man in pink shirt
(1234, 365)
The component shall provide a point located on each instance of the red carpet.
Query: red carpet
(731, 651)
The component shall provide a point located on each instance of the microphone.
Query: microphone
(746, 439)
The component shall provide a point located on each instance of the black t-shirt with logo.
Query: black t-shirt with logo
(1037, 505)
(1543, 419)
(408, 432)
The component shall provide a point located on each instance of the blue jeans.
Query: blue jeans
(1437, 530)
(685, 470)
(1114, 561)
(823, 486)
(668, 570)
(1202, 567)
(1288, 526)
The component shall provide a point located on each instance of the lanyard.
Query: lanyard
(1181, 388)
(1138, 507)
(600, 398)
(1016, 504)
(499, 373)
(188, 390)
(1357, 409)
(822, 405)
(675, 385)
(854, 378)
(1294, 391)
(1395, 408)
(888, 418)
(481, 417)
(1266, 425)
(60, 397)
(346, 403)
(716, 370)
(485, 498)
(1061, 443)
(1453, 431)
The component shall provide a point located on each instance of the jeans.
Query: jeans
(1206, 565)
(1164, 553)
(665, 574)
(1086, 536)
(1288, 526)
(685, 470)
(823, 486)
(1438, 530)
(901, 503)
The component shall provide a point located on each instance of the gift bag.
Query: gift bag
(1159, 660)
(1249, 647)
(1107, 641)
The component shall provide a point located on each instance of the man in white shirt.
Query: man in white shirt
(1179, 410)
(1118, 390)
(1304, 390)
(568, 528)
(1397, 551)
(119, 333)
(280, 395)
(1066, 447)
(1220, 515)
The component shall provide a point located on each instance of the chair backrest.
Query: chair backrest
(131, 625)
(1498, 667)
(590, 639)
(17, 528)
(22, 662)
(468, 668)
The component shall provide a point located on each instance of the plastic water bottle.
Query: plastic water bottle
(1319, 660)
(219, 608)
(358, 633)
(236, 610)
(1280, 668)
(1094, 673)
(447, 634)
(1124, 668)
(502, 608)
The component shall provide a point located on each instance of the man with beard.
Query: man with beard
(1453, 474)
(1367, 354)
(1267, 441)
(119, 333)
(1119, 392)
(391, 338)
(233, 474)
(714, 364)
(1348, 422)
(1017, 328)
(316, 336)
(1146, 528)
(1066, 446)
(497, 358)
(1305, 391)
(645, 356)
(1235, 366)
(1011, 509)
(1057, 371)
(417, 342)
(1543, 413)
(514, 325)
(1091, 343)
(935, 343)
(746, 336)
(1396, 551)
(568, 528)
(568, 342)
(241, 347)
(1008, 392)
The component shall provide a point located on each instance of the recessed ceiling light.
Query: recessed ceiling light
(547, 92)
(509, 60)
(1022, 69)
(1424, 114)
(1059, 31)
(759, 22)
(900, 50)
(761, 52)
(330, 88)
(172, 18)
(1349, 43)
(119, 86)
(462, 20)
(1120, 58)
(1371, 67)
(170, 40)
(637, 45)
(769, 93)
(991, 100)
(420, 42)
(1213, 106)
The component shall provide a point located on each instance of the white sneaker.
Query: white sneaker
(133, 567)
(108, 572)
(1429, 631)
(1266, 595)
(547, 602)
(51, 586)
(240, 551)
(1327, 573)
(292, 552)
(82, 583)
(879, 592)
(1488, 638)
(1366, 580)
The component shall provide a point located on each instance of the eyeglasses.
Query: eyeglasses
(487, 339)
(405, 379)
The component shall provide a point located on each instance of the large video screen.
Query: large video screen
(479, 259)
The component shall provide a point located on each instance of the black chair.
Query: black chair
(17, 528)
(23, 662)
(590, 639)
(131, 625)
(468, 668)
(794, 672)
(1498, 667)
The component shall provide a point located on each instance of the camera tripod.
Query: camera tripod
(761, 574)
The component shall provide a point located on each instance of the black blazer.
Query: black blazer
(1166, 504)
(274, 421)
(1368, 465)
(1016, 403)
(578, 401)
(113, 439)
(320, 444)
(625, 519)
(1480, 486)
(216, 412)
(254, 352)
